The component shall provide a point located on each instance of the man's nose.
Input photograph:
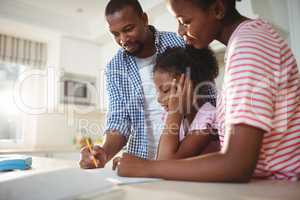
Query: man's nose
(123, 39)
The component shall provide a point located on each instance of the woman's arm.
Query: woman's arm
(235, 163)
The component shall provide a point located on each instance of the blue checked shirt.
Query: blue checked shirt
(126, 99)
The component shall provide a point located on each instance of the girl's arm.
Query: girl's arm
(235, 163)
(169, 139)
(192, 145)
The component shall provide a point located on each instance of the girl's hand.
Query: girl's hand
(181, 96)
(130, 166)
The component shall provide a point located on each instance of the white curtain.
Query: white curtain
(22, 51)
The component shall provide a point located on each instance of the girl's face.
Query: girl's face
(163, 84)
(198, 27)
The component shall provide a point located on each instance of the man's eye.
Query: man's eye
(115, 34)
(128, 29)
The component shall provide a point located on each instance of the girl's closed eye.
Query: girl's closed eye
(165, 90)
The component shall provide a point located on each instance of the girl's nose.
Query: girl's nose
(160, 99)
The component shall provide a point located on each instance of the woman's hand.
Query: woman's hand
(130, 166)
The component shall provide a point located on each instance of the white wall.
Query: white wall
(165, 22)
(80, 56)
(276, 12)
(285, 17)
(294, 16)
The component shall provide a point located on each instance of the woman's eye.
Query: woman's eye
(186, 23)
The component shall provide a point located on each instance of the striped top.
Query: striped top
(262, 89)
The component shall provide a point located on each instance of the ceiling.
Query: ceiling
(82, 19)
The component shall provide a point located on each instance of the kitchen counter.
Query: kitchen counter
(61, 179)
(39, 150)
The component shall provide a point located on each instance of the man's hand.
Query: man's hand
(86, 157)
(130, 166)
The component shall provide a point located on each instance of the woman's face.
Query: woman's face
(198, 27)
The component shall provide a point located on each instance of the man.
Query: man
(134, 115)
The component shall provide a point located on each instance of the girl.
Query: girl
(259, 112)
(190, 118)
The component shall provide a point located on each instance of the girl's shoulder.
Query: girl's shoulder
(205, 115)
(207, 107)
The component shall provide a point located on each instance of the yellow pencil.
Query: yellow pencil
(90, 149)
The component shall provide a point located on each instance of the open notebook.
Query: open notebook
(112, 177)
(67, 183)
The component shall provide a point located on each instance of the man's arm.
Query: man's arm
(118, 123)
(114, 142)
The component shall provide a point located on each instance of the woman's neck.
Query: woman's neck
(229, 26)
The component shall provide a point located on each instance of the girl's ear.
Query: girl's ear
(219, 9)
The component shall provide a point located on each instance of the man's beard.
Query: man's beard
(138, 50)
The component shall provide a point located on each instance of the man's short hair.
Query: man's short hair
(117, 5)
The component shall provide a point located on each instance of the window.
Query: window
(16, 55)
(10, 118)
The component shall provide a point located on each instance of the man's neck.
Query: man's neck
(149, 46)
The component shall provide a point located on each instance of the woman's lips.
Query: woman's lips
(189, 42)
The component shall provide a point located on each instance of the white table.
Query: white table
(83, 185)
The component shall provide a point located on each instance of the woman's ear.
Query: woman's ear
(219, 9)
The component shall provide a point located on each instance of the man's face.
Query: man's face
(128, 29)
